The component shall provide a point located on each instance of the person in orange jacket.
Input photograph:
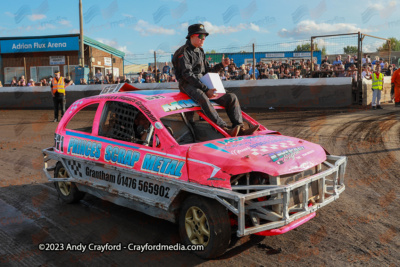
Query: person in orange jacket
(396, 87)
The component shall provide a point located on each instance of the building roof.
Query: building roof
(87, 41)
(104, 47)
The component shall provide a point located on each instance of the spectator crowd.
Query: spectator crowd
(298, 69)
(282, 69)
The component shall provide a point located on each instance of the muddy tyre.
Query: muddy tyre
(67, 191)
(204, 221)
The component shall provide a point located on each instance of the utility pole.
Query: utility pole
(155, 66)
(81, 51)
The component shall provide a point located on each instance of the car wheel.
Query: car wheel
(67, 191)
(204, 221)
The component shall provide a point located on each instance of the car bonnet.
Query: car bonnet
(271, 154)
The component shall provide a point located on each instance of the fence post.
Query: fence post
(312, 52)
(359, 81)
(254, 63)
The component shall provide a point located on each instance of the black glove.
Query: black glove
(392, 90)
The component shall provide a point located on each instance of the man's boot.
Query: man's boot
(249, 131)
(379, 107)
(232, 132)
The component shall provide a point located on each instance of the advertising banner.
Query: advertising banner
(57, 60)
(39, 45)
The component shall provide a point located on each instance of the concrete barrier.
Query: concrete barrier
(367, 91)
(299, 93)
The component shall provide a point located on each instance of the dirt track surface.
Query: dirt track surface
(360, 228)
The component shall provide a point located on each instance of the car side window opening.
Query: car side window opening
(82, 121)
(188, 127)
(125, 122)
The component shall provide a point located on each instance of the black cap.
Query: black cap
(196, 28)
(56, 71)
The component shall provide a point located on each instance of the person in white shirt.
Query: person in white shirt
(99, 75)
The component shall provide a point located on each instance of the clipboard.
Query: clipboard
(213, 81)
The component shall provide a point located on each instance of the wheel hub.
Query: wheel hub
(197, 227)
(65, 187)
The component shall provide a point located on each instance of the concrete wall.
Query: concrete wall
(299, 93)
(367, 91)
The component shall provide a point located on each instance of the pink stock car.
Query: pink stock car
(185, 169)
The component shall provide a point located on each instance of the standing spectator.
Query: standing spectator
(381, 63)
(263, 75)
(257, 73)
(166, 69)
(286, 74)
(377, 86)
(99, 75)
(172, 79)
(291, 70)
(281, 71)
(303, 70)
(375, 61)
(14, 81)
(366, 72)
(325, 60)
(272, 75)
(337, 61)
(57, 86)
(140, 79)
(22, 81)
(365, 60)
(69, 78)
(385, 68)
(44, 82)
(246, 76)
(125, 80)
(31, 82)
(389, 71)
(222, 75)
(149, 71)
(164, 78)
(317, 72)
(297, 75)
(232, 66)
(396, 87)
(109, 75)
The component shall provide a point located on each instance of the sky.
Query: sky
(139, 28)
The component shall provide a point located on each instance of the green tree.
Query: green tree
(350, 49)
(211, 52)
(303, 47)
(307, 47)
(394, 45)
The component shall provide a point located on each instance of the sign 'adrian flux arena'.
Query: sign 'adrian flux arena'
(39, 45)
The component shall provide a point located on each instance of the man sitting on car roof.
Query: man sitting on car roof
(190, 65)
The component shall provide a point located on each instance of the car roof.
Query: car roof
(161, 102)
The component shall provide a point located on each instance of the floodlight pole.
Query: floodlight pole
(81, 51)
